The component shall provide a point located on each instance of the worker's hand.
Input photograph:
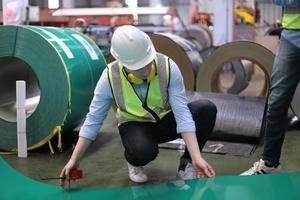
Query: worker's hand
(65, 172)
(203, 169)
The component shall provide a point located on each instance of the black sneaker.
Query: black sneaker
(261, 168)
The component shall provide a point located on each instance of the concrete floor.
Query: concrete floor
(105, 166)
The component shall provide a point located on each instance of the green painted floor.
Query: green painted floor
(105, 167)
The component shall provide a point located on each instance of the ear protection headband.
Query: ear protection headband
(137, 80)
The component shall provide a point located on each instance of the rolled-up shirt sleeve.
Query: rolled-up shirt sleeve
(178, 101)
(98, 109)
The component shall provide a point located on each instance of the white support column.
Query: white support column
(223, 21)
(21, 118)
(133, 6)
(155, 19)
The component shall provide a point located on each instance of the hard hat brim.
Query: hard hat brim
(142, 63)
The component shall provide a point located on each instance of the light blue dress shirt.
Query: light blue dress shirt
(103, 99)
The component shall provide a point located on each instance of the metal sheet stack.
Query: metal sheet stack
(239, 118)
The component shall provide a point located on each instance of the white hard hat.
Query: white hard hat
(132, 47)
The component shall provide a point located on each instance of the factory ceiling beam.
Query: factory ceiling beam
(110, 11)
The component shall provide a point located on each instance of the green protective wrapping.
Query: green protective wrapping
(13, 186)
(67, 65)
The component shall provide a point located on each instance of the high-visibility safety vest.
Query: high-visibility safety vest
(291, 18)
(129, 105)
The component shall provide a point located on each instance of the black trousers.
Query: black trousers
(141, 139)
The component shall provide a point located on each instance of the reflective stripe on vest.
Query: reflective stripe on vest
(291, 18)
(129, 105)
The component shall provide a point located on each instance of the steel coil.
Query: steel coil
(208, 76)
(61, 68)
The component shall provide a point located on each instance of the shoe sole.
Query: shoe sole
(138, 181)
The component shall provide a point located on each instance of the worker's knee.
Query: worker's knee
(141, 154)
(203, 109)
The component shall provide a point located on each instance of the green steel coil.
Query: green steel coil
(61, 68)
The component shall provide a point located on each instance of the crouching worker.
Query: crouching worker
(148, 90)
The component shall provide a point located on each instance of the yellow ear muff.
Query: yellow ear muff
(151, 73)
(136, 80)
